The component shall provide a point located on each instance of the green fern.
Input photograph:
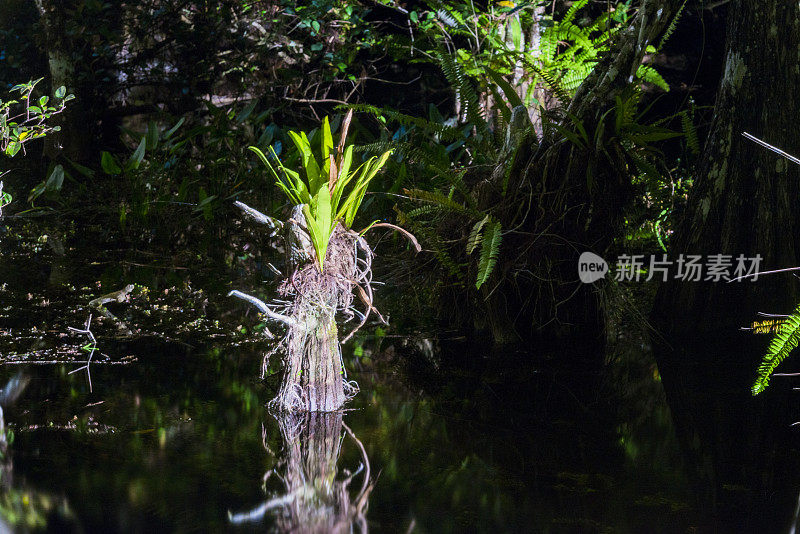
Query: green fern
(475, 235)
(416, 213)
(648, 74)
(672, 26)
(785, 340)
(569, 16)
(442, 201)
(490, 250)
(465, 91)
(690, 131)
(444, 132)
(433, 241)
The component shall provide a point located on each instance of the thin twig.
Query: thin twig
(770, 147)
(788, 269)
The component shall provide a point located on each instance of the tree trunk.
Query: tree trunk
(314, 379)
(744, 200)
(72, 139)
(743, 203)
(562, 200)
(314, 364)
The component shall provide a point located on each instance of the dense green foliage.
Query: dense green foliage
(177, 92)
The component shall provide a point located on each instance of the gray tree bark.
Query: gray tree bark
(72, 139)
(744, 199)
(743, 202)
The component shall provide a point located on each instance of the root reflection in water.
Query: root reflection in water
(314, 496)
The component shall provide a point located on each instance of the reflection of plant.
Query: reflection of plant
(313, 498)
(322, 194)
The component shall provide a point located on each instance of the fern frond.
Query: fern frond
(690, 131)
(423, 155)
(465, 91)
(490, 249)
(573, 10)
(672, 26)
(768, 326)
(648, 74)
(551, 82)
(416, 213)
(445, 133)
(475, 235)
(425, 235)
(440, 200)
(779, 348)
(569, 32)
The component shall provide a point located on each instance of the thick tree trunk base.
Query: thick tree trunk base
(314, 374)
(315, 378)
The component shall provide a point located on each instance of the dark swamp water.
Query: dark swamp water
(173, 433)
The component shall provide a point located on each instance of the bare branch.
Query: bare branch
(263, 308)
(258, 216)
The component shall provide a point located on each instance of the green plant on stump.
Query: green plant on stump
(322, 195)
(326, 261)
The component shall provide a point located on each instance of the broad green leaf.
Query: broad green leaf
(516, 33)
(344, 178)
(138, 155)
(109, 163)
(12, 149)
(309, 161)
(152, 135)
(327, 139)
(61, 91)
(56, 179)
(54, 182)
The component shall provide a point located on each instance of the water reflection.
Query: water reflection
(22, 508)
(312, 496)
